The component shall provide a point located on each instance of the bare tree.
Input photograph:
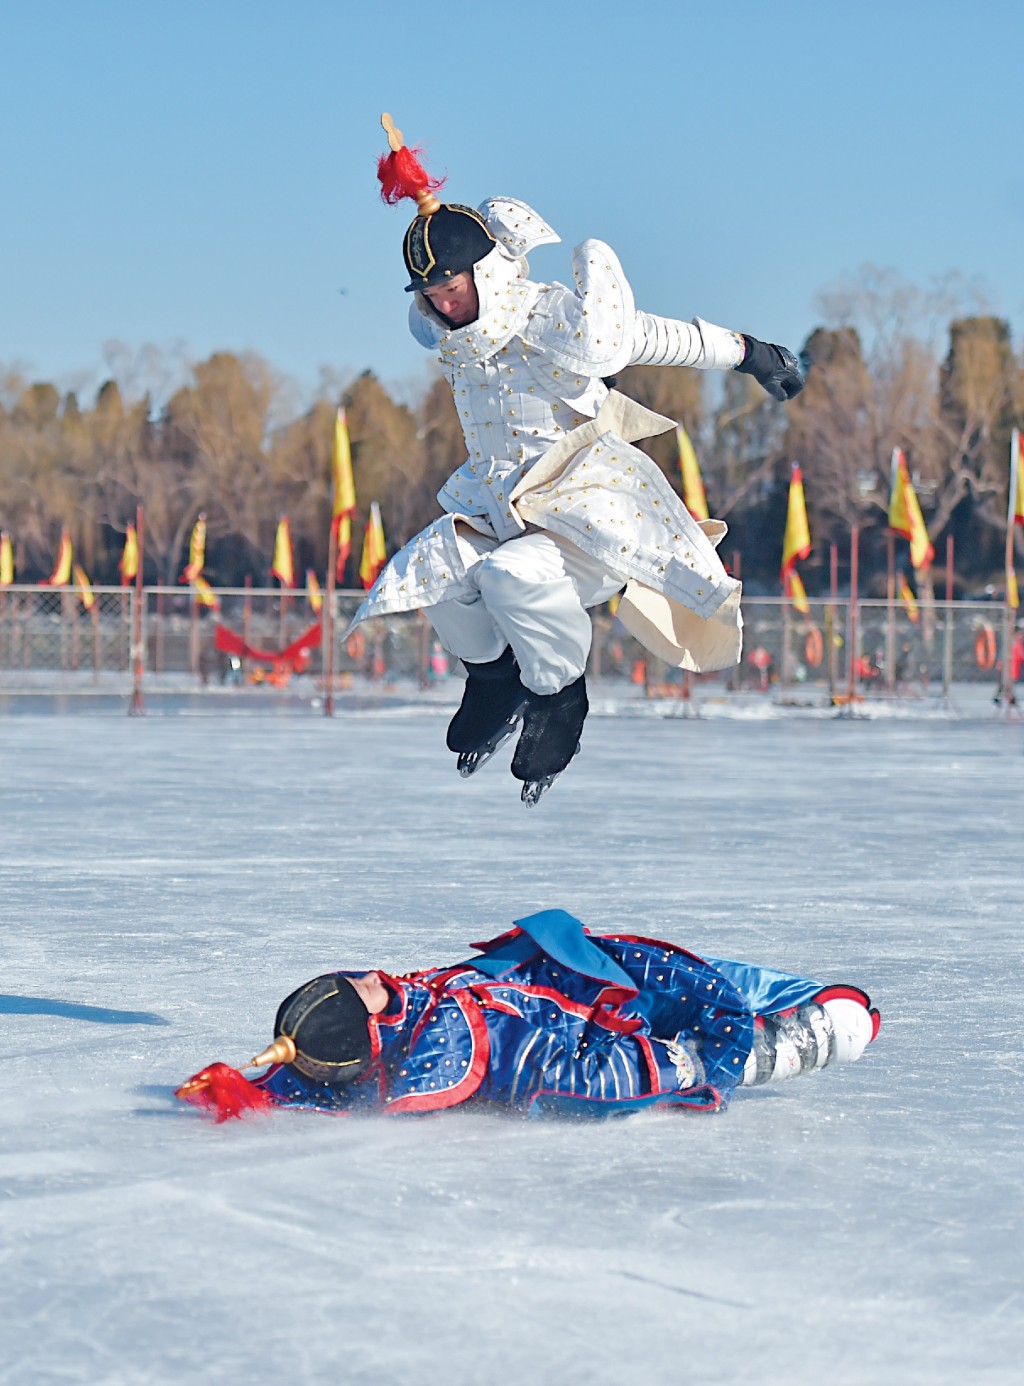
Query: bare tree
(979, 403)
(387, 458)
(214, 433)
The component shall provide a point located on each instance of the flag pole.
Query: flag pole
(890, 613)
(830, 617)
(947, 647)
(247, 611)
(193, 636)
(64, 628)
(1008, 573)
(1007, 671)
(736, 672)
(328, 623)
(94, 614)
(852, 637)
(74, 641)
(135, 708)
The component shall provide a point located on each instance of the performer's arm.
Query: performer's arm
(669, 342)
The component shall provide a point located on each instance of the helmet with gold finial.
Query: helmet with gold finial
(445, 238)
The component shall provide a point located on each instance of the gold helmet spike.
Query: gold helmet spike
(282, 1051)
(393, 133)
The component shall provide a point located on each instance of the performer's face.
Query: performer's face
(371, 991)
(456, 299)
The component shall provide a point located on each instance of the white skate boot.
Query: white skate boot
(835, 1031)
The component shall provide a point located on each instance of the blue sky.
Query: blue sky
(200, 175)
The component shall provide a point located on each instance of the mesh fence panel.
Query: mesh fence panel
(49, 636)
(49, 641)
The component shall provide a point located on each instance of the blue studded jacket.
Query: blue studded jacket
(549, 1019)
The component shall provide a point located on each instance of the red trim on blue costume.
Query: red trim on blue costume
(480, 1057)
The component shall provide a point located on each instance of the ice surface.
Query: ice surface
(167, 879)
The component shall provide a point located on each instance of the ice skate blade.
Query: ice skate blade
(469, 762)
(534, 789)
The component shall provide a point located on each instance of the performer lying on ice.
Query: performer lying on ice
(548, 1019)
(554, 510)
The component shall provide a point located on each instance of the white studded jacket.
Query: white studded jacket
(528, 372)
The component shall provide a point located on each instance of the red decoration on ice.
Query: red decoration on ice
(294, 658)
(223, 1092)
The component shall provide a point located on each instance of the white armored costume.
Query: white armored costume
(554, 510)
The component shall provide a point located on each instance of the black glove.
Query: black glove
(773, 367)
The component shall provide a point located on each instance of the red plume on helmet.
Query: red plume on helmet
(402, 175)
(223, 1092)
(444, 239)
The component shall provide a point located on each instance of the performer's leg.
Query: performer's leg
(537, 590)
(463, 624)
(808, 1038)
(493, 699)
(530, 594)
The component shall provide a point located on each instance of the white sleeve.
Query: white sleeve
(667, 342)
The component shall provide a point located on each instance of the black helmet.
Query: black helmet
(444, 243)
(327, 1022)
(446, 238)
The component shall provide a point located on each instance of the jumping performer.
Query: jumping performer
(554, 510)
(547, 1019)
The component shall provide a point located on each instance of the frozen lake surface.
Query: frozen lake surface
(166, 880)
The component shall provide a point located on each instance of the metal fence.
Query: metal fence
(50, 642)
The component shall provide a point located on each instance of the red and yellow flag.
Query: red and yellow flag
(196, 551)
(694, 498)
(905, 513)
(205, 595)
(374, 549)
(283, 567)
(796, 542)
(1015, 513)
(343, 487)
(128, 566)
(61, 575)
(313, 594)
(6, 560)
(85, 592)
(907, 598)
(794, 588)
(343, 494)
(344, 543)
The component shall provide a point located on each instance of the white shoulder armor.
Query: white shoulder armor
(589, 329)
(515, 226)
(426, 330)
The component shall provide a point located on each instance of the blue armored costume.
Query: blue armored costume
(549, 1019)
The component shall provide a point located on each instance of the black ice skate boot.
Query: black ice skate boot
(492, 703)
(552, 724)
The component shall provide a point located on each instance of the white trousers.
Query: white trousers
(531, 593)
